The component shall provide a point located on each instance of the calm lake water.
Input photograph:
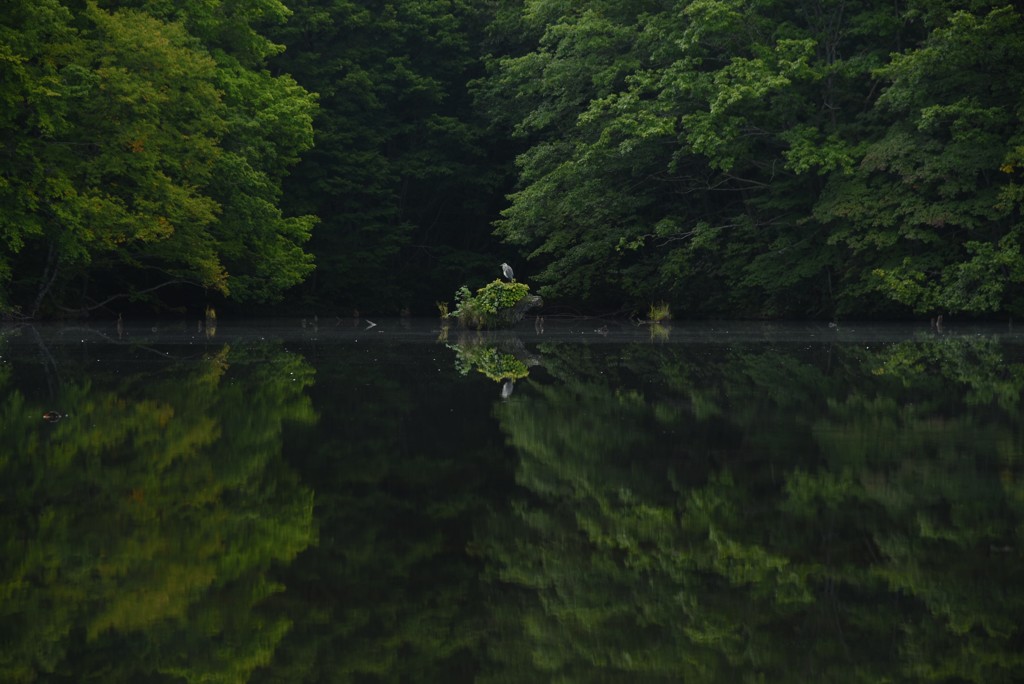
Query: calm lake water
(591, 502)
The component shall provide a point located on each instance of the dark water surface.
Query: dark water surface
(285, 502)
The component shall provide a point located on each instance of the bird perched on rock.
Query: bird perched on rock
(506, 271)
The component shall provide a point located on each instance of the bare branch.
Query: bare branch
(49, 276)
(127, 295)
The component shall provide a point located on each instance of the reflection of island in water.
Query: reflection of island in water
(713, 514)
(503, 358)
(138, 531)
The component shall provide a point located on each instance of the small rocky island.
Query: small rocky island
(496, 305)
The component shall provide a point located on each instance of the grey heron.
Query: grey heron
(506, 271)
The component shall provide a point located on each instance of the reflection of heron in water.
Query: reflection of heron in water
(506, 271)
(507, 387)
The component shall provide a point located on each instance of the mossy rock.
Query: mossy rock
(496, 305)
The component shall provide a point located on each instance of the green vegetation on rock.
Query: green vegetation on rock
(495, 305)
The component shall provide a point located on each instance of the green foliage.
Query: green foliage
(481, 310)
(659, 312)
(763, 159)
(140, 157)
(934, 224)
(671, 131)
(497, 295)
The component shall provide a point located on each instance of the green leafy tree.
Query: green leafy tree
(769, 158)
(137, 161)
(934, 205)
(657, 162)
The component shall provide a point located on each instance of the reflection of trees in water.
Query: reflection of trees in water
(832, 515)
(682, 513)
(407, 466)
(138, 531)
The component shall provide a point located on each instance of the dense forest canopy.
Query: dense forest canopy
(817, 158)
(144, 148)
